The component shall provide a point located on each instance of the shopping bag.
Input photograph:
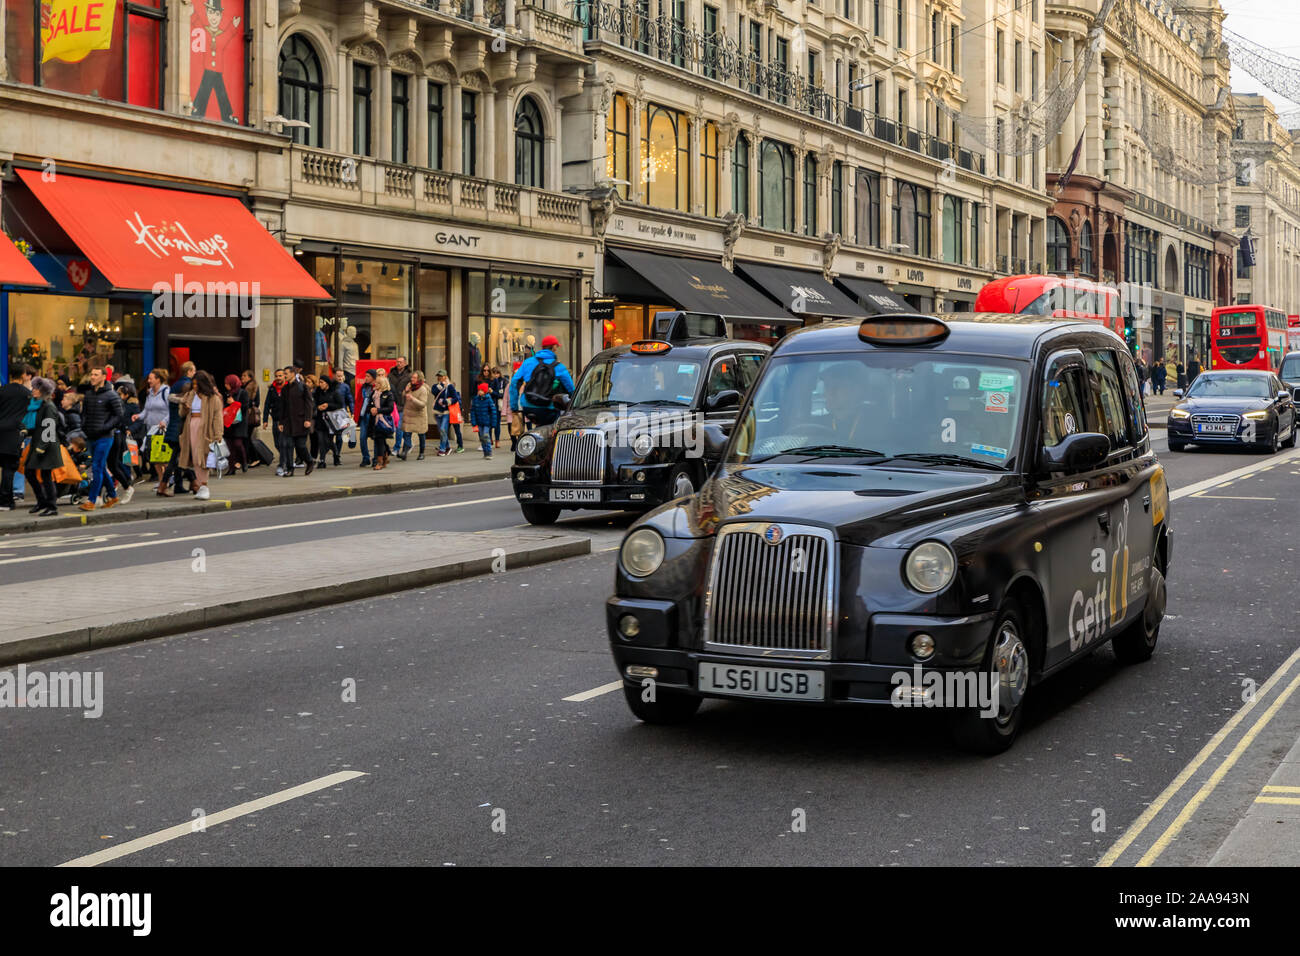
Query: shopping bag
(131, 455)
(159, 451)
(232, 415)
(68, 473)
(338, 420)
(454, 410)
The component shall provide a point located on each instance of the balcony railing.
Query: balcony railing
(715, 56)
(493, 10)
(362, 181)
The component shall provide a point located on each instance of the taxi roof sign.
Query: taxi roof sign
(911, 330)
(650, 347)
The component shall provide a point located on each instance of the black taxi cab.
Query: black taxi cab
(909, 511)
(632, 436)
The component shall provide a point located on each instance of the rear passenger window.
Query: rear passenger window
(1105, 399)
(1062, 402)
(1133, 392)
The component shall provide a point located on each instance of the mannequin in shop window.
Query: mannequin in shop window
(349, 351)
(530, 346)
(475, 357)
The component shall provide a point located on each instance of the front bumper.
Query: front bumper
(960, 647)
(1182, 429)
(533, 486)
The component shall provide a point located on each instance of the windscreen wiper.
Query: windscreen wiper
(943, 459)
(827, 451)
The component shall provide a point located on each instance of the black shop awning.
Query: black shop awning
(875, 296)
(800, 291)
(698, 285)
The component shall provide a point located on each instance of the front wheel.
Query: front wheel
(1176, 445)
(1274, 444)
(664, 706)
(1007, 665)
(681, 482)
(540, 514)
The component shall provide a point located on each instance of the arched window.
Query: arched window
(302, 90)
(776, 186)
(1085, 249)
(530, 141)
(709, 156)
(665, 158)
(952, 229)
(740, 175)
(1058, 246)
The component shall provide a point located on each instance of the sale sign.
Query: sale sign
(73, 29)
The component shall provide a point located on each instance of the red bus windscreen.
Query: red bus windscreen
(1062, 297)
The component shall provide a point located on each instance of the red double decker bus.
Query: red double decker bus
(1247, 336)
(1062, 297)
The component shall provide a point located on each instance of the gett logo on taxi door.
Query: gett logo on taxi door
(1089, 615)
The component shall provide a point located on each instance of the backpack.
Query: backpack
(540, 384)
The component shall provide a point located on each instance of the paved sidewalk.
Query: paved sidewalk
(191, 591)
(260, 487)
(1269, 833)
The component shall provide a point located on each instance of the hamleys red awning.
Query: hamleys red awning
(14, 267)
(141, 236)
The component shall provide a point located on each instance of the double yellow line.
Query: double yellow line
(1189, 810)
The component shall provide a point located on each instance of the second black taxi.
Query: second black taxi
(632, 437)
(910, 511)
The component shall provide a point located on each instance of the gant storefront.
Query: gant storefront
(461, 298)
(138, 274)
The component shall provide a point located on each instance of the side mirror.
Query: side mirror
(1283, 395)
(728, 398)
(562, 400)
(1077, 452)
(1178, 393)
(715, 442)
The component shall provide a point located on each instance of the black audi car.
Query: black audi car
(1233, 407)
(632, 437)
(906, 507)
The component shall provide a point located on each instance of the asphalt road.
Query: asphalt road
(471, 754)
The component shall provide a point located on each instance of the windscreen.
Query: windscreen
(631, 379)
(883, 404)
(1230, 386)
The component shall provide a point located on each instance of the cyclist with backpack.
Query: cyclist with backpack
(538, 381)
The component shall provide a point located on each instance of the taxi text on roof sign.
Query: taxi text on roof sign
(902, 331)
(650, 348)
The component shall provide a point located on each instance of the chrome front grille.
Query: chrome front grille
(771, 599)
(579, 456)
(1216, 419)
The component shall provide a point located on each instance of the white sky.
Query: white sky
(1271, 23)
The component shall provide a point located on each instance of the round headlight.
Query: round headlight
(643, 552)
(930, 566)
(642, 445)
(527, 445)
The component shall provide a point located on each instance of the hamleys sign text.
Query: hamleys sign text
(167, 239)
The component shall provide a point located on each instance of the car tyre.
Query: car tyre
(994, 735)
(1176, 445)
(668, 707)
(1137, 642)
(1290, 439)
(540, 514)
(1273, 445)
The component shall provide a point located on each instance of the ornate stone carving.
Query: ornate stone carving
(728, 129)
(602, 210)
(830, 249)
(407, 62)
(733, 225)
(441, 72)
(367, 52)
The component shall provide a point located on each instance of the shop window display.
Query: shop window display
(60, 334)
(512, 314)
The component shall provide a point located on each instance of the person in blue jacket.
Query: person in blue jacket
(485, 416)
(541, 414)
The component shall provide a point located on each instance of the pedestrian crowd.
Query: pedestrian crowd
(1167, 371)
(94, 442)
